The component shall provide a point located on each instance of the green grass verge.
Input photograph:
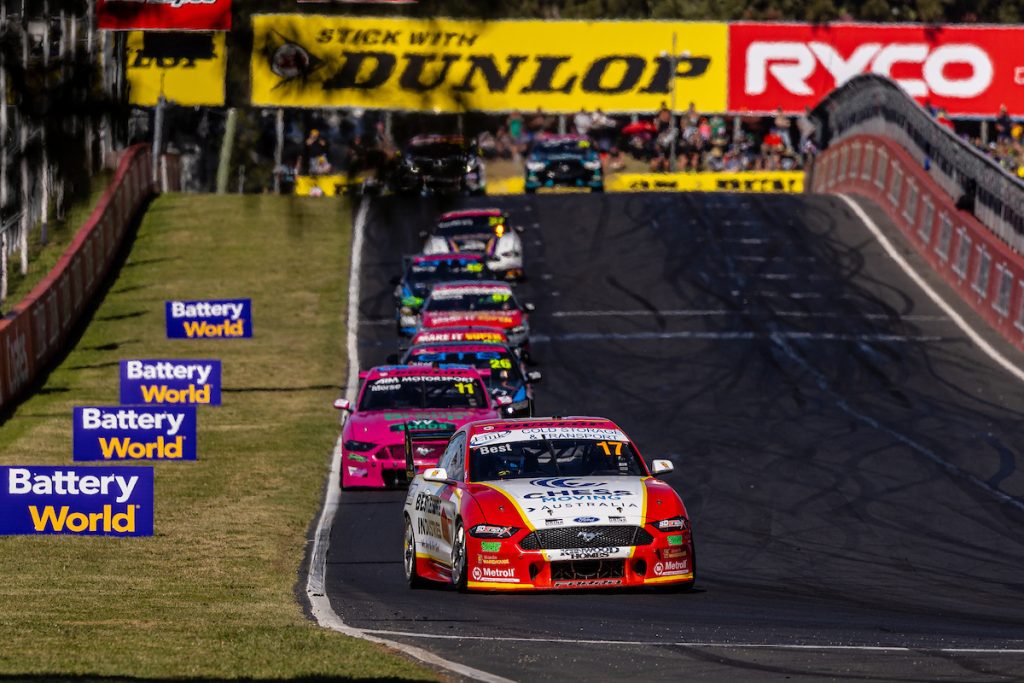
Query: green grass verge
(211, 595)
(42, 258)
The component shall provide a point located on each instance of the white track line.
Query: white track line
(731, 336)
(987, 348)
(319, 603)
(696, 643)
(721, 312)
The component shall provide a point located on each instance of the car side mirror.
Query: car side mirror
(438, 475)
(343, 404)
(534, 376)
(529, 307)
(661, 466)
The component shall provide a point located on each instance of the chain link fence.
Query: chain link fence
(875, 105)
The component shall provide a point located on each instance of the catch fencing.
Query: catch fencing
(36, 330)
(959, 209)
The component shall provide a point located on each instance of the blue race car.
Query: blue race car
(564, 161)
(422, 273)
(510, 384)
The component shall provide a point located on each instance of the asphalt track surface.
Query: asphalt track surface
(849, 460)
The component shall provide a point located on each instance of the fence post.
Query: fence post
(227, 146)
(278, 149)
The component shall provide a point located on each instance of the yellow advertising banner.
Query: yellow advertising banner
(447, 65)
(188, 68)
(708, 181)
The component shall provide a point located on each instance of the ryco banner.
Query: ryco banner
(964, 70)
(188, 68)
(170, 381)
(134, 433)
(448, 65)
(214, 319)
(78, 501)
(164, 15)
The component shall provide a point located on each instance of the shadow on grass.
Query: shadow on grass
(150, 261)
(88, 678)
(314, 387)
(123, 316)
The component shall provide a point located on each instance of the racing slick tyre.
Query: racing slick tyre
(459, 573)
(409, 557)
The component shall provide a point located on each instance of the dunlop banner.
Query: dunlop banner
(448, 65)
(189, 68)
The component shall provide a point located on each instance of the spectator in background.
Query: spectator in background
(781, 128)
(1004, 124)
(516, 132)
(943, 119)
(663, 120)
(582, 121)
(315, 154)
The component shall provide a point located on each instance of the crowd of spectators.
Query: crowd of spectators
(688, 141)
(1007, 145)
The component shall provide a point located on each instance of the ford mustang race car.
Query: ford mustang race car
(459, 334)
(564, 161)
(421, 273)
(480, 231)
(397, 398)
(487, 303)
(506, 377)
(545, 503)
(438, 164)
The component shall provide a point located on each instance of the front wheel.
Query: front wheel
(409, 556)
(459, 576)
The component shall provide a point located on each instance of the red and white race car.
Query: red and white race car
(395, 400)
(545, 503)
(485, 303)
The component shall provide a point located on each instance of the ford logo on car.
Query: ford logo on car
(586, 520)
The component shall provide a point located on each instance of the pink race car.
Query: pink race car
(394, 399)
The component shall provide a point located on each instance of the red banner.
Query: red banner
(964, 70)
(164, 15)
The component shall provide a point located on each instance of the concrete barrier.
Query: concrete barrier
(982, 268)
(37, 328)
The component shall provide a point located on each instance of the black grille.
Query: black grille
(586, 537)
(565, 170)
(588, 569)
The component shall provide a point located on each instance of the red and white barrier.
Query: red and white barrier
(985, 272)
(38, 326)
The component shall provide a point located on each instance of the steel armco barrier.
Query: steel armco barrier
(874, 105)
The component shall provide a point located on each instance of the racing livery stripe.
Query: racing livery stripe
(669, 579)
(643, 509)
(500, 586)
(510, 498)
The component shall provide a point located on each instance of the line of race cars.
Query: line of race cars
(498, 499)
(448, 164)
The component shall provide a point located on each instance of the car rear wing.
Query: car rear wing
(414, 436)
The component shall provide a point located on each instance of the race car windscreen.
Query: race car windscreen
(424, 392)
(424, 272)
(470, 300)
(504, 368)
(468, 225)
(515, 454)
(561, 148)
(436, 150)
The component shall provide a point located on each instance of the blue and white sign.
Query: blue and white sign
(146, 382)
(211, 319)
(131, 433)
(76, 501)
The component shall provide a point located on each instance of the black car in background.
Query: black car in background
(564, 161)
(437, 164)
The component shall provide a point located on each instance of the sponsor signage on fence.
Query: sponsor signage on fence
(965, 70)
(212, 319)
(164, 15)
(134, 433)
(170, 382)
(744, 181)
(187, 68)
(448, 65)
(77, 501)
